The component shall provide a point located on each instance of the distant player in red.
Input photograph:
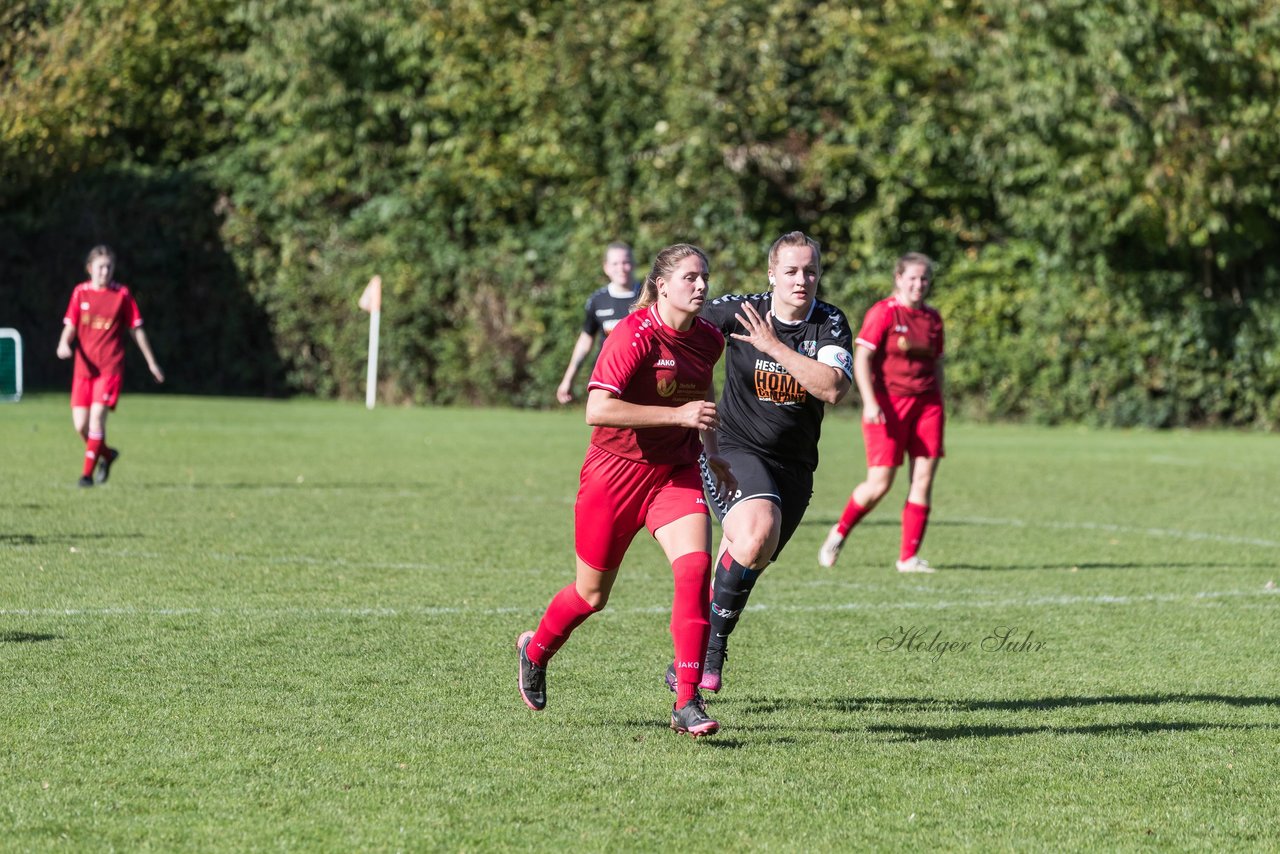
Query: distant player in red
(651, 401)
(101, 312)
(898, 369)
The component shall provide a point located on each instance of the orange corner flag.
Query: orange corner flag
(371, 299)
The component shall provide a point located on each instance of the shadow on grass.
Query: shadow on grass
(1163, 564)
(293, 484)
(888, 519)
(720, 740)
(917, 732)
(26, 637)
(1119, 699)
(825, 522)
(746, 721)
(930, 704)
(61, 539)
(927, 733)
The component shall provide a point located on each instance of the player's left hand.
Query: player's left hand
(759, 332)
(726, 483)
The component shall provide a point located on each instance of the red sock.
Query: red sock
(852, 515)
(565, 613)
(92, 448)
(914, 519)
(690, 626)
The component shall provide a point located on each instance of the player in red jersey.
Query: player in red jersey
(651, 402)
(605, 308)
(898, 369)
(98, 316)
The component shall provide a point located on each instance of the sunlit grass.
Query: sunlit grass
(290, 625)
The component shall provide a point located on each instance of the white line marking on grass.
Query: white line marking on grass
(259, 612)
(1121, 529)
(1040, 601)
(342, 563)
(272, 560)
(939, 605)
(335, 562)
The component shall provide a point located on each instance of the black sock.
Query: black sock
(733, 587)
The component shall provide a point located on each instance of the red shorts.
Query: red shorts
(912, 425)
(617, 497)
(104, 389)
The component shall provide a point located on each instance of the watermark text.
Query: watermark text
(924, 640)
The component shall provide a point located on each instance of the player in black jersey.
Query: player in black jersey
(787, 356)
(605, 307)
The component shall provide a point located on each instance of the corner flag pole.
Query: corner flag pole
(371, 301)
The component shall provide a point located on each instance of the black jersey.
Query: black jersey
(604, 310)
(763, 408)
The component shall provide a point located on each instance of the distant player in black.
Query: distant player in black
(787, 356)
(605, 307)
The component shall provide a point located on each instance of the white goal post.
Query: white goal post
(10, 365)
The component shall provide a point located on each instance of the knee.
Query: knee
(595, 596)
(876, 488)
(922, 485)
(754, 551)
(595, 599)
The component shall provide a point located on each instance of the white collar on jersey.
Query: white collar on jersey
(812, 306)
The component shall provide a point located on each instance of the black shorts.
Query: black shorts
(789, 487)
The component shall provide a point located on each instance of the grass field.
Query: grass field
(290, 625)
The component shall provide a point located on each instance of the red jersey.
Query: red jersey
(646, 362)
(101, 318)
(906, 344)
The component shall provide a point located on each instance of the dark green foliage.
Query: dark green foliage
(208, 334)
(1097, 178)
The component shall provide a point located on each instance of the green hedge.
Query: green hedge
(1098, 181)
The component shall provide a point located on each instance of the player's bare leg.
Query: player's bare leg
(862, 501)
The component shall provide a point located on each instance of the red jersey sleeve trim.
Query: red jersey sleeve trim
(617, 392)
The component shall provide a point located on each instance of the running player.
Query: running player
(788, 356)
(100, 312)
(605, 307)
(898, 368)
(650, 398)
